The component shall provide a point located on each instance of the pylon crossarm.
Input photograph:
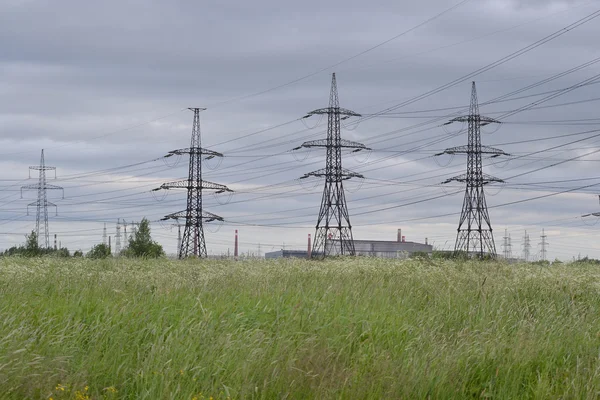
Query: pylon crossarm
(40, 168)
(597, 214)
(482, 120)
(460, 178)
(347, 144)
(455, 150)
(330, 110)
(186, 184)
(206, 216)
(494, 151)
(195, 150)
(491, 179)
(215, 186)
(465, 150)
(35, 204)
(345, 174)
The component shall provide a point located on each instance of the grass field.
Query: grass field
(348, 328)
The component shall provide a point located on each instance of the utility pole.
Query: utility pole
(543, 243)
(474, 235)
(193, 242)
(333, 231)
(526, 247)
(42, 203)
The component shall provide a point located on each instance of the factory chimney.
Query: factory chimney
(235, 248)
(399, 235)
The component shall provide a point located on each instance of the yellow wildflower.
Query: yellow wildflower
(60, 387)
(111, 389)
(180, 372)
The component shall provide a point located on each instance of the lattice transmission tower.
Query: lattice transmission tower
(526, 247)
(193, 242)
(507, 245)
(474, 235)
(544, 244)
(42, 203)
(333, 231)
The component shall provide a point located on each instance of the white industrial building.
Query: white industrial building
(399, 248)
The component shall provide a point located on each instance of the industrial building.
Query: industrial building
(399, 248)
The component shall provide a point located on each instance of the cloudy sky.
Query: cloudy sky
(104, 88)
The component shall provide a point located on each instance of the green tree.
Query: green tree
(141, 243)
(99, 251)
(32, 248)
(78, 253)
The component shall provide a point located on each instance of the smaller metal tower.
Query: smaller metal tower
(526, 247)
(118, 238)
(543, 243)
(42, 203)
(507, 246)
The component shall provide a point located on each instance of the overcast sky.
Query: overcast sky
(104, 85)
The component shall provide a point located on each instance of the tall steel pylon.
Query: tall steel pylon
(474, 235)
(193, 242)
(42, 203)
(333, 231)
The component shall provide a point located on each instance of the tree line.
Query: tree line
(140, 244)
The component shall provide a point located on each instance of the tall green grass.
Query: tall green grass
(347, 328)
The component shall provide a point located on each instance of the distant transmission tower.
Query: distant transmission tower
(333, 231)
(193, 242)
(507, 245)
(543, 243)
(104, 236)
(526, 247)
(474, 227)
(42, 203)
(118, 238)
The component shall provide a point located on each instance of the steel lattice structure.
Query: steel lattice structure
(475, 236)
(333, 231)
(42, 203)
(193, 242)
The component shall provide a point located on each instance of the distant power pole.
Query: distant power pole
(474, 235)
(526, 247)
(333, 231)
(42, 203)
(543, 243)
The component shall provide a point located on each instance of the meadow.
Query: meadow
(294, 329)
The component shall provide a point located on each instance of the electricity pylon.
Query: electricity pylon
(474, 235)
(333, 231)
(507, 245)
(526, 247)
(42, 203)
(193, 243)
(543, 243)
(118, 238)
